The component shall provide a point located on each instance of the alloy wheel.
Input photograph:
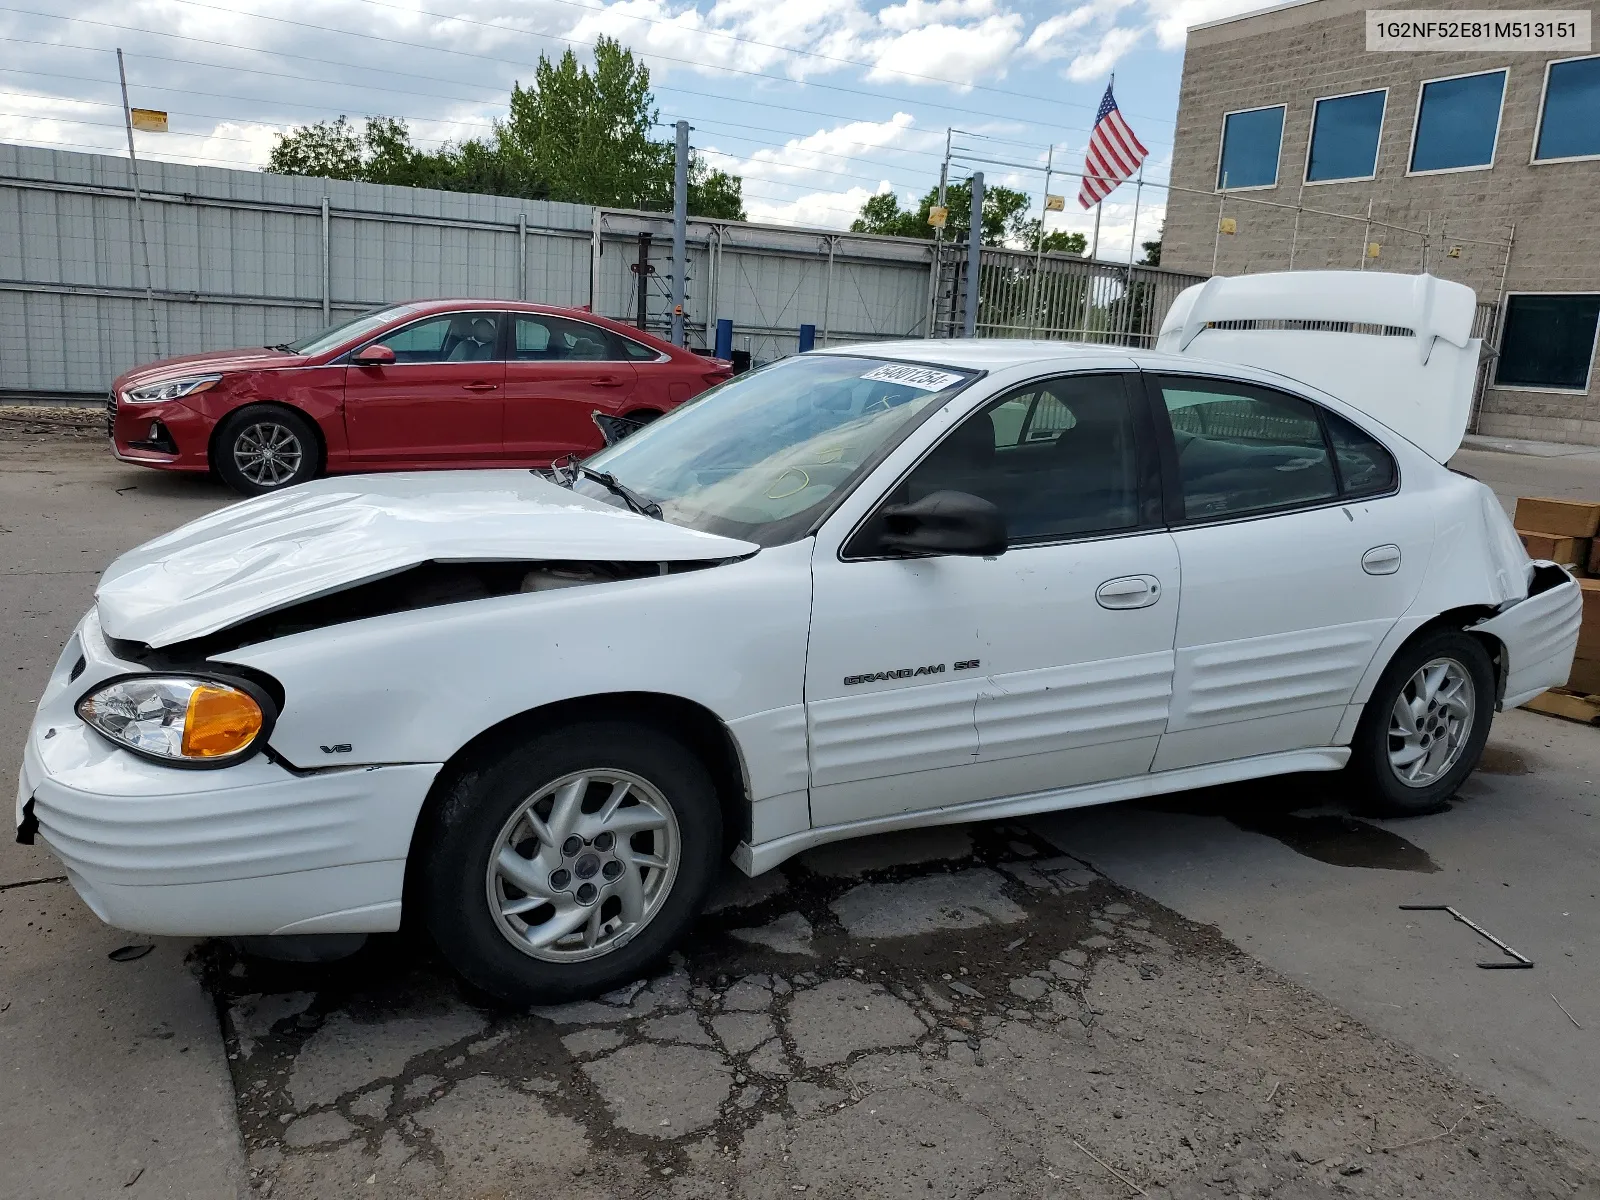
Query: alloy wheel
(583, 865)
(1431, 722)
(268, 454)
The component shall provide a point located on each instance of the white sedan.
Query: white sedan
(864, 589)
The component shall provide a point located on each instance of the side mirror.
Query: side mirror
(376, 355)
(945, 523)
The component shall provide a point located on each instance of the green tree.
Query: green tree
(1152, 250)
(1005, 216)
(574, 134)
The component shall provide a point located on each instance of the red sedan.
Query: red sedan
(436, 383)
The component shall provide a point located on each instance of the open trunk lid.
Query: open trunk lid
(328, 535)
(1397, 347)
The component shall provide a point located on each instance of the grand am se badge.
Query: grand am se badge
(966, 664)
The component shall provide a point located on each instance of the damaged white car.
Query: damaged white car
(875, 587)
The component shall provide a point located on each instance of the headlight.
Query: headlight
(180, 720)
(172, 389)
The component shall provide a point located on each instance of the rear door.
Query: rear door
(1298, 556)
(558, 373)
(441, 400)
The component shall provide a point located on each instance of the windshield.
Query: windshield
(762, 456)
(355, 327)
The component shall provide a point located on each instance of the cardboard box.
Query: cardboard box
(1585, 677)
(1594, 557)
(1558, 548)
(1589, 631)
(1564, 518)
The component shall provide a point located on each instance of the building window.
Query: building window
(1548, 341)
(1250, 143)
(1344, 137)
(1458, 122)
(1568, 123)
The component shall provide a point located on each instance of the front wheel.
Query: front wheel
(265, 449)
(571, 863)
(1424, 728)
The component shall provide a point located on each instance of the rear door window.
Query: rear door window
(1245, 449)
(541, 338)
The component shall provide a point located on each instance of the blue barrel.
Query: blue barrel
(724, 337)
(808, 338)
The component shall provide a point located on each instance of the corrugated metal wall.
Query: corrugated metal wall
(767, 280)
(244, 258)
(237, 259)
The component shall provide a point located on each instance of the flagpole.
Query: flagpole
(1038, 243)
(138, 206)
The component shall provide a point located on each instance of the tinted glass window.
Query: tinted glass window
(458, 337)
(1548, 341)
(1457, 122)
(1242, 449)
(637, 351)
(1571, 124)
(539, 338)
(1250, 142)
(1058, 459)
(1344, 137)
(1365, 467)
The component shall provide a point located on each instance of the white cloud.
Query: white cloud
(963, 54)
(825, 210)
(1096, 64)
(914, 14)
(1049, 38)
(831, 150)
(1172, 18)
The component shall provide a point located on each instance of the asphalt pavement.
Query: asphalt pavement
(1062, 1009)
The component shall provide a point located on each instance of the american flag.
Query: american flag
(1114, 154)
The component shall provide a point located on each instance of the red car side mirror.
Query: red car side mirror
(374, 356)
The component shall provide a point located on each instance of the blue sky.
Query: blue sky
(817, 104)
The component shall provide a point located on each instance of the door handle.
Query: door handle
(607, 381)
(1129, 591)
(480, 387)
(1381, 560)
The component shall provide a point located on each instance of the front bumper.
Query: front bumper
(1539, 633)
(181, 435)
(252, 848)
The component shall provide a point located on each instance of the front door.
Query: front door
(441, 399)
(940, 680)
(559, 374)
(1298, 556)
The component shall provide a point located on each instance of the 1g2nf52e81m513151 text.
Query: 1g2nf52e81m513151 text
(1478, 29)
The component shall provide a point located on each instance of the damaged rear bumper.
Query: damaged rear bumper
(1539, 633)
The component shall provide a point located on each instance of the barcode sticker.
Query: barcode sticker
(923, 378)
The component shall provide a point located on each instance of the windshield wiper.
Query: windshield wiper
(634, 501)
(285, 347)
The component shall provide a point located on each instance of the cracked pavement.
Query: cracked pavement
(953, 1012)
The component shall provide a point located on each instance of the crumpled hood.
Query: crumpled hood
(320, 537)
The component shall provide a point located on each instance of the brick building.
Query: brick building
(1480, 166)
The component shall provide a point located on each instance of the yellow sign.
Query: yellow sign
(937, 214)
(1227, 225)
(1054, 203)
(1373, 249)
(151, 120)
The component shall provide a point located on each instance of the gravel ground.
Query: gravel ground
(950, 1013)
(34, 422)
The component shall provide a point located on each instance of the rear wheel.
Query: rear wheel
(571, 863)
(265, 449)
(1424, 728)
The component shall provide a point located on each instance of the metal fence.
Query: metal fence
(767, 280)
(1061, 296)
(245, 258)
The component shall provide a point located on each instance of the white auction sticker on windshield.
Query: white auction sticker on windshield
(924, 378)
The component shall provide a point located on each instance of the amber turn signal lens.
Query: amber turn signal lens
(220, 721)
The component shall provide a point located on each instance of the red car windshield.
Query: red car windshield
(353, 329)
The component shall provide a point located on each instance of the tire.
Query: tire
(504, 938)
(265, 448)
(1397, 773)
